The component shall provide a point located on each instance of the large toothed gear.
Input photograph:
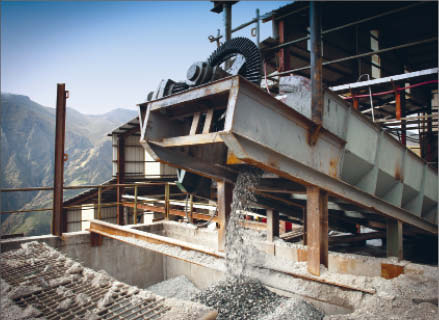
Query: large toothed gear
(251, 69)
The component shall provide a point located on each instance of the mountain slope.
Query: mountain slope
(27, 155)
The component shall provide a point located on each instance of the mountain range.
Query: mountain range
(27, 157)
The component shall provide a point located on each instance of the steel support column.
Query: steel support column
(283, 55)
(394, 239)
(316, 63)
(430, 137)
(228, 20)
(317, 228)
(120, 178)
(58, 223)
(403, 122)
(224, 199)
(272, 224)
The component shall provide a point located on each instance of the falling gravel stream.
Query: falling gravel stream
(238, 254)
(239, 296)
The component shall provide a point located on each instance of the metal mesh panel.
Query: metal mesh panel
(57, 299)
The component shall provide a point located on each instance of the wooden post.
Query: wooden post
(167, 201)
(58, 217)
(224, 201)
(272, 224)
(191, 208)
(135, 205)
(304, 227)
(120, 174)
(317, 229)
(99, 202)
(394, 239)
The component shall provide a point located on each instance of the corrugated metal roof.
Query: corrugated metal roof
(126, 126)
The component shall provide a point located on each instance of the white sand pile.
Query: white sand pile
(178, 287)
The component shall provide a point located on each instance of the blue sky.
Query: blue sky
(109, 54)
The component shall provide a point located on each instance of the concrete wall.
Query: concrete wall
(182, 231)
(201, 276)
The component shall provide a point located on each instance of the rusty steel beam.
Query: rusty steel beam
(283, 56)
(403, 122)
(224, 191)
(316, 63)
(317, 229)
(58, 223)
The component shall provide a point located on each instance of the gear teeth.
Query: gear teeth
(253, 61)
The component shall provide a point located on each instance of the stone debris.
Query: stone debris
(75, 269)
(178, 287)
(65, 304)
(82, 299)
(245, 298)
(294, 309)
(22, 291)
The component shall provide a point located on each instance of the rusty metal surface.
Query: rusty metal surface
(58, 219)
(316, 62)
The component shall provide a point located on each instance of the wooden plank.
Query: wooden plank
(195, 122)
(208, 121)
(254, 225)
(272, 224)
(356, 237)
(329, 282)
(105, 229)
(324, 228)
(196, 139)
(317, 229)
(224, 198)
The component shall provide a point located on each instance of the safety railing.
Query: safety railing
(160, 203)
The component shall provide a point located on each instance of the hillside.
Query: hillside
(27, 152)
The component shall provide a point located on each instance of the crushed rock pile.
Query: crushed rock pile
(246, 298)
(407, 297)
